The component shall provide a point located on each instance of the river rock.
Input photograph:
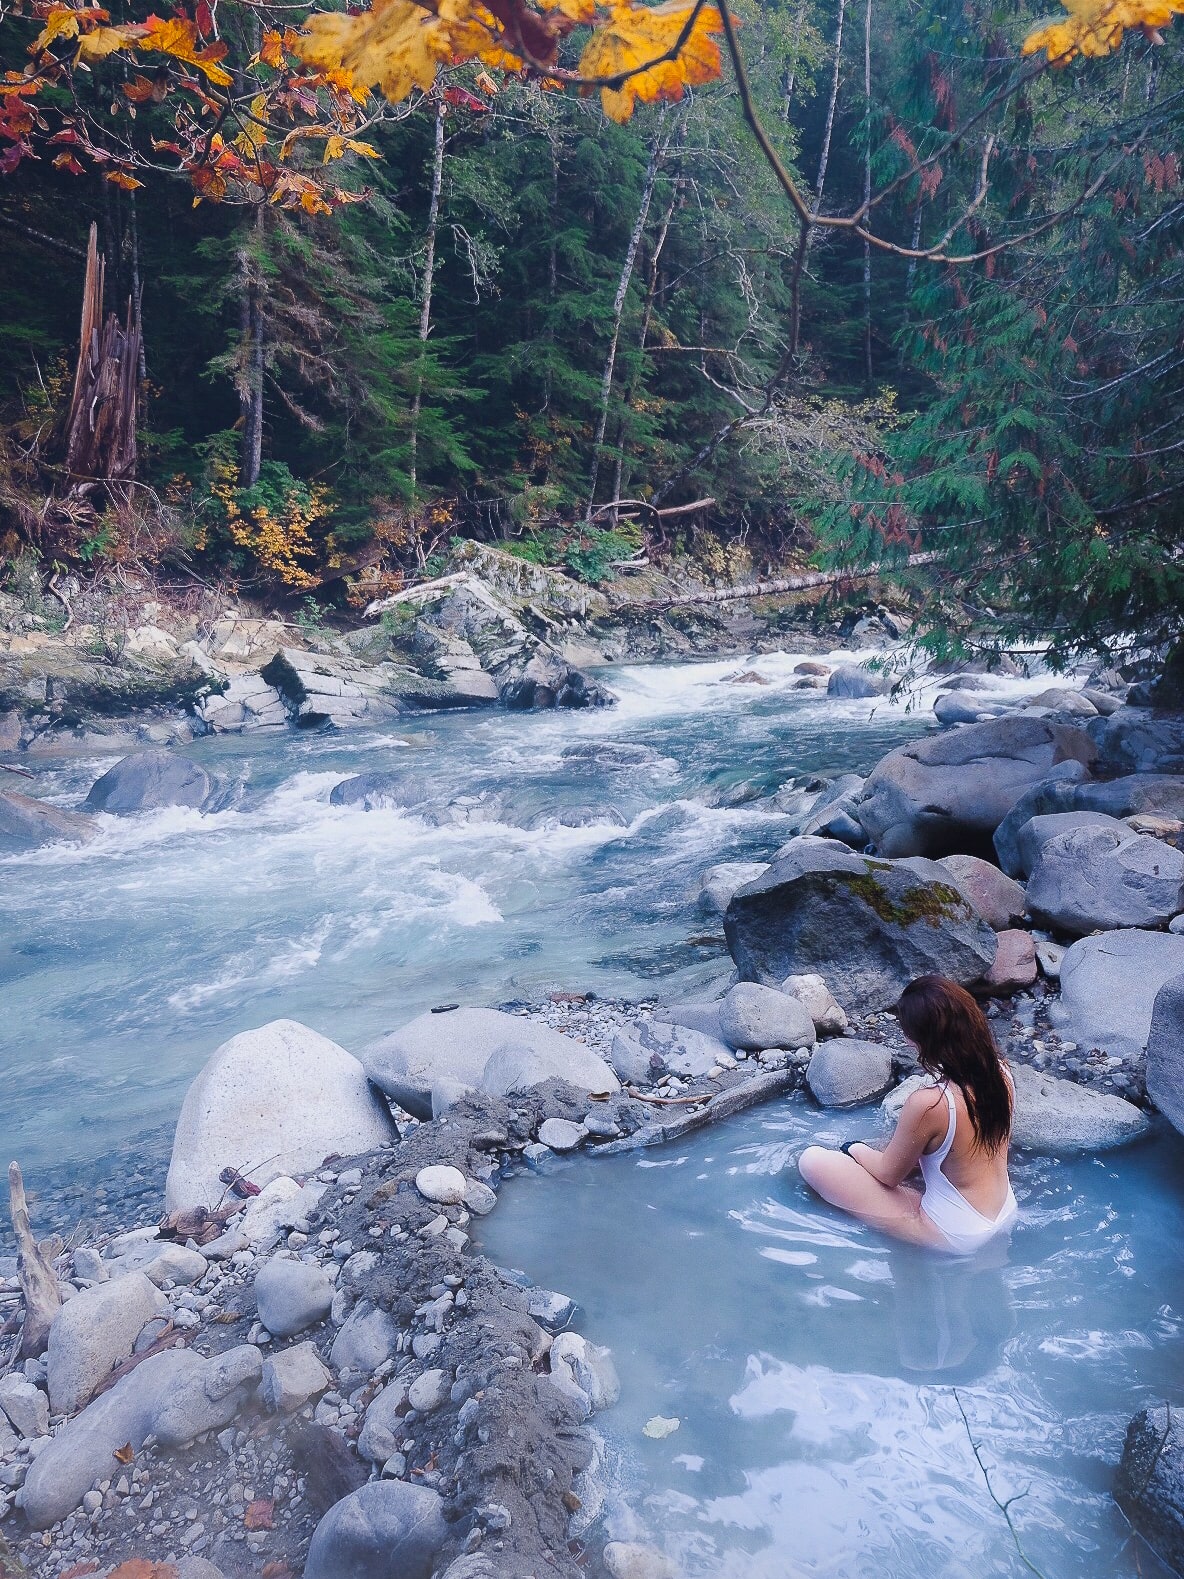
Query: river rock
(25, 1406)
(429, 1390)
(384, 1429)
(161, 1261)
(753, 1017)
(277, 1100)
(1103, 877)
(1165, 1056)
(584, 1371)
(291, 1295)
(1055, 792)
(850, 680)
(721, 882)
(321, 690)
(442, 1184)
(148, 781)
(388, 1529)
(1149, 1485)
(692, 1016)
(208, 1397)
(1068, 788)
(1014, 967)
(1137, 740)
(561, 1134)
(999, 899)
(1062, 700)
(956, 707)
(1108, 988)
(869, 926)
(279, 1206)
(846, 1070)
(29, 822)
(815, 997)
(632, 1560)
(292, 1378)
(245, 703)
(649, 1049)
(1038, 831)
(947, 794)
(459, 1045)
(1052, 1115)
(367, 1340)
(548, 680)
(93, 1332)
(82, 1451)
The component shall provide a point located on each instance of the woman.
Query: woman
(957, 1128)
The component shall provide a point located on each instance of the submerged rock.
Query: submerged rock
(26, 821)
(870, 926)
(148, 781)
(272, 1101)
(948, 793)
(851, 680)
(1149, 1485)
(1108, 988)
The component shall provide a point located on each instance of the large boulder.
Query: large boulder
(846, 1070)
(1165, 1052)
(1053, 1115)
(1149, 1485)
(28, 822)
(753, 1017)
(389, 1529)
(458, 1046)
(83, 1451)
(274, 1101)
(851, 680)
(320, 690)
(999, 899)
(948, 793)
(209, 1397)
(1070, 789)
(1109, 985)
(868, 926)
(1038, 831)
(1095, 878)
(246, 702)
(1136, 740)
(720, 882)
(148, 781)
(93, 1332)
(548, 680)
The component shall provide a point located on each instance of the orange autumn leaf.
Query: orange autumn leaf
(271, 51)
(395, 47)
(260, 1514)
(635, 34)
(61, 22)
(126, 1453)
(121, 178)
(104, 41)
(1093, 28)
(179, 39)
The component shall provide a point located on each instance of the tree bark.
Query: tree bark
(610, 361)
(43, 1296)
(98, 433)
(791, 75)
(252, 357)
(806, 236)
(425, 292)
(867, 193)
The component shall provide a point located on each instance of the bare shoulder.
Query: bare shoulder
(923, 1106)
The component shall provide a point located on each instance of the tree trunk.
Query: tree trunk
(610, 361)
(867, 194)
(792, 74)
(552, 268)
(137, 286)
(806, 237)
(425, 291)
(98, 434)
(251, 356)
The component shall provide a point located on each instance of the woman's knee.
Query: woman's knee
(813, 1163)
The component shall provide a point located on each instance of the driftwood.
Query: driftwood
(764, 589)
(43, 1297)
(97, 438)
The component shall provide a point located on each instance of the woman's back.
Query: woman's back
(978, 1175)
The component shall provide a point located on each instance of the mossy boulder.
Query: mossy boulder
(868, 926)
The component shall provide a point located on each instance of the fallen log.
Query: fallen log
(764, 589)
(39, 1284)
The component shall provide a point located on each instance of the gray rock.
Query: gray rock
(384, 1429)
(552, 1311)
(580, 1367)
(1104, 877)
(444, 1185)
(212, 1395)
(1062, 699)
(1049, 956)
(147, 781)
(292, 1295)
(26, 1406)
(633, 1560)
(1165, 1057)
(948, 793)
(701, 1017)
(656, 1047)
(279, 1206)
(958, 708)
(93, 1332)
(428, 1391)
(28, 822)
(368, 1339)
(81, 1452)
(999, 899)
(815, 997)
(1149, 1485)
(561, 1134)
(517, 1068)
(245, 703)
(721, 882)
(1109, 985)
(1053, 1115)
(868, 926)
(1136, 740)
(458, 1046)
(388, 1529)
(341, 692)
(846, 1070)
(1055, 792)
(274, 1101)
(850, 680)
(753, 1017)
(1014, 967)
(198, 1568)
(292, 1378)
(161, 1261)
(1031, 838)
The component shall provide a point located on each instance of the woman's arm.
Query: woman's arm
(920, 1118)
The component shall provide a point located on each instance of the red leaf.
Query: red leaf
(260, 1514)
(204, 17)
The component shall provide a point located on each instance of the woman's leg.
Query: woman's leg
(840, 1180)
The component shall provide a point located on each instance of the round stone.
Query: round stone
(441, 1184)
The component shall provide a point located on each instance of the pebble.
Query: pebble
(444, 1185)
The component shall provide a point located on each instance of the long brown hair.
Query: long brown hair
(954, 1042)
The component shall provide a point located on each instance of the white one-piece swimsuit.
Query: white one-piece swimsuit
(963, 1226)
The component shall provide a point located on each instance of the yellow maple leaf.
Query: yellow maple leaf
(104, 41)
(396, 46)
(61, 22)
(121, 178)
(635, 34)
(365, 150)
(1095, 27)
(178, 38)
(253, 135)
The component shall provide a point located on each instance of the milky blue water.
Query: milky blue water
(816, 1369)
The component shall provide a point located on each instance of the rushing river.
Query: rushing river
(817, 1370)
